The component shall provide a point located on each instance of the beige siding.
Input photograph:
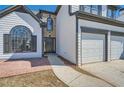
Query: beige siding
(66, 35)
(13, 19)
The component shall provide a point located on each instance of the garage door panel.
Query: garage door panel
(92, 59)
(93, 46)
(117, 47)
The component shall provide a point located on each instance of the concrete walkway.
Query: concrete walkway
(72, 77)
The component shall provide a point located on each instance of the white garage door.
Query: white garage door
(117, 47)
(93, 47)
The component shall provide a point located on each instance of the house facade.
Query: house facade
(21, 34)
(48, 36)
(79, 33)
(87, 34)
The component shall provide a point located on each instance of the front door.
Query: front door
(49, 45)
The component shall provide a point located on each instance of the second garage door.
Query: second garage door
(93, 47)
(117, 47)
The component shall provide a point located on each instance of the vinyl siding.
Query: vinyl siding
(11, 20)
(66, 34)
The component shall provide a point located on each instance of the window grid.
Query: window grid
(97, 10)
(94, 9)
(20, 40)
(111, 13)
(49, 23)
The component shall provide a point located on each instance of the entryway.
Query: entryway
(49, 45)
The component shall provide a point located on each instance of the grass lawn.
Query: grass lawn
(36, 79)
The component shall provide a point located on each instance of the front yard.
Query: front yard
(36, 79)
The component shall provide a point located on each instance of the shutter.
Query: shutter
(6, 44)
(34, 43)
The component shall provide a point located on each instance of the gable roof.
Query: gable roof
(16, 7)
(54, 13)
(57, 9)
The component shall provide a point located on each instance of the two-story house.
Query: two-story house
(89, 33)
(78, 33)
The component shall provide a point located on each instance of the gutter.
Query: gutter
(9, 10)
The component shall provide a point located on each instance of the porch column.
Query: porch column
(109, 46)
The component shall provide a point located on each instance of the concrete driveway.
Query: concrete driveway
(72, 77)
(112, 72)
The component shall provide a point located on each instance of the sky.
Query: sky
(50, 8)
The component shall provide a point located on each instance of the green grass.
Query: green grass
(36, 79)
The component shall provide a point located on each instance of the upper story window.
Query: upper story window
(111, 13)
(106, 11)
(49, 23)
(19, 40)
(94, 9)
(87, 8)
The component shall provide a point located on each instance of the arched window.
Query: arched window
(49, 23)
(21, 40)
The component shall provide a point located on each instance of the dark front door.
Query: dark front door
(49, 45)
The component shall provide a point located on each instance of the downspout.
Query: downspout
(78, 43)
(42, 27)
(77, 58)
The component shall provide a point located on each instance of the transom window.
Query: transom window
(20, 39)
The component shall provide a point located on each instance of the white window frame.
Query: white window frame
(87, 8)
(94, 9)
(113, 16)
